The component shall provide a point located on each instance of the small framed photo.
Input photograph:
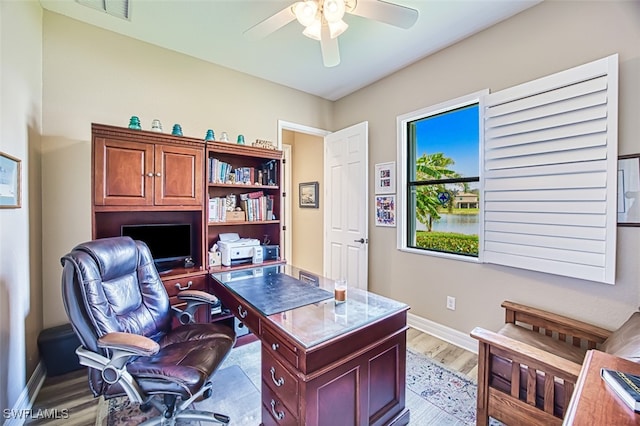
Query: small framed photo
(629, 190)
(385, 174)
(308, 195)
(9, 182)
(385, 210)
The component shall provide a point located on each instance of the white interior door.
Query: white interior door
(346, 208)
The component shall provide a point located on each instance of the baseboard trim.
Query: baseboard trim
(440, 331)
(22, 407)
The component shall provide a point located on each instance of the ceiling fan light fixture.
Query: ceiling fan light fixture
(305, 12)
(337, 28)
(333, 10)
(313, 30)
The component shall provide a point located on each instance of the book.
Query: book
(625, 385)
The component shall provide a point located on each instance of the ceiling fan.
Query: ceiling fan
(322, 20)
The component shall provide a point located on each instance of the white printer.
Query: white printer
(235, 250)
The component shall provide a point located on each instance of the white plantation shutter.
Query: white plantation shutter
(549, 178)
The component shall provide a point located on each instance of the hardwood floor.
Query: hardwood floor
(453, 357)
(69, 393)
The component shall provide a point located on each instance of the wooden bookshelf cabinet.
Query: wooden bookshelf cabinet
(143, 177)
(266, 229)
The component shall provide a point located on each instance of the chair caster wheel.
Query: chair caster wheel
(145, 407)
(207, 393)
(222, 418)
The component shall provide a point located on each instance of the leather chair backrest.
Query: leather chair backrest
(111, 284)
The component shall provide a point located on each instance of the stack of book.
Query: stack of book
(223, 172)
(218, 209)
(257, 206)
(625, 385)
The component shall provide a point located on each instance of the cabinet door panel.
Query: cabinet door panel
(122, 173)
(179, 175)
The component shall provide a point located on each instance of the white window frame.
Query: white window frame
(402, 122)
(548, 168)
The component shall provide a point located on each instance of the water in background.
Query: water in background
(460, 223)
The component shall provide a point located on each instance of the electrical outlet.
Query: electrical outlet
(451, 303)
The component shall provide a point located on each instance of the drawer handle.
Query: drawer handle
(278, 382)
(242, 312)
(275, 346)
(277, 414)
(179, 287)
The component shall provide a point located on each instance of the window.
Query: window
(545, 194)
(440, 178)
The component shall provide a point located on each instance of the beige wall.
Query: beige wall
(92, 75)
(20, 249)
(307, 156)
(550, 37)
(57, 76)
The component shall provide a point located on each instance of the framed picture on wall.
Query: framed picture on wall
(385, 175)
(9, 181)
(385, 210)
(308, 195)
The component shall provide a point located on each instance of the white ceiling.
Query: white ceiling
(212, 30)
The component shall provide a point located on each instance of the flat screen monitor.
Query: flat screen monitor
(169, 243)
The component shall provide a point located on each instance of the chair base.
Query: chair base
(181, 411)
(194, 415)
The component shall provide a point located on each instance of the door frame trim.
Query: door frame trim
(298, 128)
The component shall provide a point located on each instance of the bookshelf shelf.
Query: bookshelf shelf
(243, 223)
(241, 186)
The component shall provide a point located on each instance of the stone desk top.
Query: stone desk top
(308, 312)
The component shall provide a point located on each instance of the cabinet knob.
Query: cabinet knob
(275, 346)
(158, 174)
(150, 174)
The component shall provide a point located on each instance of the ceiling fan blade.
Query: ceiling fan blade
(389, 13)
(271, 24)
(329, 46)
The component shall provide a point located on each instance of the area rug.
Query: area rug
(435, 395)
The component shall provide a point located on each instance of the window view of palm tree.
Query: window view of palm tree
(443, 181)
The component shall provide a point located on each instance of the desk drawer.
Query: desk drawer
(239, 309)
(176, 285)
(282, 383)
(274, 412)
(274, 345)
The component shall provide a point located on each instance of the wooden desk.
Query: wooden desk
(322, 363)
(593, 402)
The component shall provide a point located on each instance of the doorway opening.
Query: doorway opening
(303, 227)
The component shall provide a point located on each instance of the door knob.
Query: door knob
(361, 241)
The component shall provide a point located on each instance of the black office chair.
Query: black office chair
(120, 310)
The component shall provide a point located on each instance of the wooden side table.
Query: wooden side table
(593, 402)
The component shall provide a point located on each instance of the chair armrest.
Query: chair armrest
(197, 296)
(194, 299)
(526, 354)
(134, 344)
(538, 318)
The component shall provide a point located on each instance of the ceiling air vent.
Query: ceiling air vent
(117, 8)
